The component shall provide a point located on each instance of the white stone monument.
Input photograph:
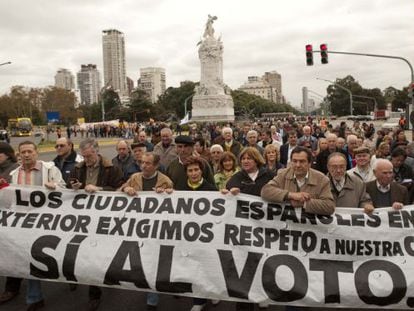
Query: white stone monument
(212, 100)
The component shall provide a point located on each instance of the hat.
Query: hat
(184, 139)
(361, 150)
(134, 145)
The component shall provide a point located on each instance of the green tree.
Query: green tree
(112, 104)
(140, 107)
(61, 100)
(172, 101)
(91, 113)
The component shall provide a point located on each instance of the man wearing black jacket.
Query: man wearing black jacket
(66, 158)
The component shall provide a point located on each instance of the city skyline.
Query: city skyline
(266, 36)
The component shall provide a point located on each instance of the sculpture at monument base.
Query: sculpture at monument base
(212, 100)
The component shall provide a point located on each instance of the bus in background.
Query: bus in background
(20, 127)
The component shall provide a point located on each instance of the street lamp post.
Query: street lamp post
(6, 63)
(344, 88)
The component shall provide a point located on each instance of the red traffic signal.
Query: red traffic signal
(324, 53)
(309, 55)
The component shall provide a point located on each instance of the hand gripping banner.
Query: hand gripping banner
(205, 244)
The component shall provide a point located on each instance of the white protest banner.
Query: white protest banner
(204, 244)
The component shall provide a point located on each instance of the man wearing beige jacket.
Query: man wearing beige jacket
(301, 186)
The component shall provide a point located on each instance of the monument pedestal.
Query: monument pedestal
(214, 108)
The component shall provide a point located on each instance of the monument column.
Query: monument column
(212, 100)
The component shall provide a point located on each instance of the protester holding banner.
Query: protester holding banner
(195, 181)
(38, 173)
(348, 190)
(384, 191)
(176, 169)
(301, 185)
(93, 174)
(149, 179)
(252, 176)
(249, 180)
(8, 161)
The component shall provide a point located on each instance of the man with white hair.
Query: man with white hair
(229, 144)
(308, 138)
(384, 191)
(351, 144)
(166, 148)
(348, 190)
(252, 137)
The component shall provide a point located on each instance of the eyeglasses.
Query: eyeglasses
(59, 146)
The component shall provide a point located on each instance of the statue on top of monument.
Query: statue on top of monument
(209, 31)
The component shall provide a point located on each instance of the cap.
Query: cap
(184, 139)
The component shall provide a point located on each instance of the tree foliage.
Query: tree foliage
(340, 101)
(248, 105)
(171, 103)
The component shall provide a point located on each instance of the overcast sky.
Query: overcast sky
(42, 36)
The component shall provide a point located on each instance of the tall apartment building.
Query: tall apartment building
(65, 79)
(89, 84)
(152, 81)
(113, 45)
(130, 85)
(269, 86)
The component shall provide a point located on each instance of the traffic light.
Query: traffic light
(309, 55)
(411, 90)
(324, 53)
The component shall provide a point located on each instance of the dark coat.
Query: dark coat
(398, 193)
(123, 164)
(67, 166)
(109, 177)
(284, 156)
(235, 148)
(176, 172)
(246, 185)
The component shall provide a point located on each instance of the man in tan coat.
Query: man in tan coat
(301, 186)
(149, 179)
(347, 189)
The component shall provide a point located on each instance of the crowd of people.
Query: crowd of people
(312, 166)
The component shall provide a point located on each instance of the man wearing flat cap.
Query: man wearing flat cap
(363, 167)
(176, 171)
(138, 149)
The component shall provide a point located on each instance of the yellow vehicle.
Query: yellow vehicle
(20, 127)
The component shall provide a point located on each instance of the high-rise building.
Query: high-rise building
(269, 86)
(89, 84)
(65, 79)
(152, 81)
(130, 85)
(114, 60)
